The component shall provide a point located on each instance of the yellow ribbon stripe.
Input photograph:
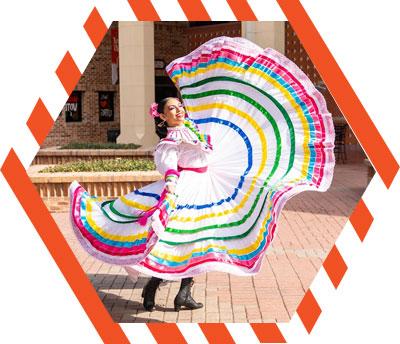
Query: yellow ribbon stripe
(243, 251)
(260, 133)
(276, 84)
(104, 234)
(134, 204)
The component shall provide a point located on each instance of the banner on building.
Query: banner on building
(73, 107)
(106, 106)
(114, 56)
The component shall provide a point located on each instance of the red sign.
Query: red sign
(114, 56)
(114, 45)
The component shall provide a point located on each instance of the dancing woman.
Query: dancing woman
(218, 205)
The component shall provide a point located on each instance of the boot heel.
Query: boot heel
(184, 297)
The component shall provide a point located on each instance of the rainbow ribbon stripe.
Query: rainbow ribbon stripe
(272, 138)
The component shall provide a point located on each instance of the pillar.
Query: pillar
(136, 82)
(269, 34)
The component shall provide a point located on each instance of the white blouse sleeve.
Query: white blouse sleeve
(166, 160)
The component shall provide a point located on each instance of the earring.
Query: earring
(161, 124)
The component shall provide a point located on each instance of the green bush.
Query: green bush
(109, 145)
(112, 165)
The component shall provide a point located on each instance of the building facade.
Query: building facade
(102, 110)
(92, 111)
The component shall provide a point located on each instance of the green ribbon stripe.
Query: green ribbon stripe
(273, 123)
(276, 162)
(239, 236)
(271, 98)
(276, 131)
(116, 212)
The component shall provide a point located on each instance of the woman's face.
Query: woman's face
(174, 113)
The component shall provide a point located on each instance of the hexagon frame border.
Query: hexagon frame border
(40, 123)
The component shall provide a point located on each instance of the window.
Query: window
(73, 107)
(106, 106)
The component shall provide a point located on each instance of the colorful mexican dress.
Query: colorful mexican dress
(258, 133)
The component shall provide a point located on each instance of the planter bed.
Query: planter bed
(53, 187)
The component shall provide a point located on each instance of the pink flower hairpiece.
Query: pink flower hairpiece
(153, 110)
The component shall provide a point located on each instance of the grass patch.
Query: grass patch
(108, 145)
(111, 165)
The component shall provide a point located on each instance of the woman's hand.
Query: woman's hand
(170, 188)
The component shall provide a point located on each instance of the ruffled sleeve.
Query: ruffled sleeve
(166, 160)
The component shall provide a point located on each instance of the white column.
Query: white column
(266, 34)
(136, 75)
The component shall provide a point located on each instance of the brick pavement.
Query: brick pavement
(307, 229)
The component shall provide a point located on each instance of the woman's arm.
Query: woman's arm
(166, 160)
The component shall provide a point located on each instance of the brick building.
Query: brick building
(100, 111)
(83, 119)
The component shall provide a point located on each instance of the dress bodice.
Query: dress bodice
(181, 148)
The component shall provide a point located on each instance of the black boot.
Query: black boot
(149, 293)
(184, 297)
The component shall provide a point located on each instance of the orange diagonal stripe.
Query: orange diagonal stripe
(361, 219)
(216, 333)
(344, 95)
(144, 10)
(95, 27)
(40, 122)
(241, 10)
(165, 333)
(194, 10)
(46, 227)
(309, 311)
(68, 73)
(335, 266)
(268, 333)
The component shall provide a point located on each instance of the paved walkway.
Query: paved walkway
(308, 228)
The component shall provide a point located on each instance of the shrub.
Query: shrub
(112, 165)
(109, 145)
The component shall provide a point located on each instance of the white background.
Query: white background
(37, 303)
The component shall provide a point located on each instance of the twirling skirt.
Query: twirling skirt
(272, 137)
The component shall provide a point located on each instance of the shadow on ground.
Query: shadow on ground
(123, 309)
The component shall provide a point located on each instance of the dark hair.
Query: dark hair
(161, 131)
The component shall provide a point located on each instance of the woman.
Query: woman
(177, 144)
(218, 205)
